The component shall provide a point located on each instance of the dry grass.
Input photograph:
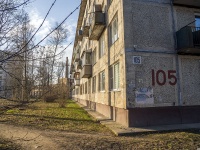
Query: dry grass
(51, 116)
(72, 118)
(8, 145)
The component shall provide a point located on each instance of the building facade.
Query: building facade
(11, 76)
(137, 61)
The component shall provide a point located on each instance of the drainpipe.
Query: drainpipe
(177, 57)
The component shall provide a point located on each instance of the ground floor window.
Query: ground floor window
(102, 81)
(114, 77)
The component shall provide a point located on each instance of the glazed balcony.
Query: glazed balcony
(80, 35)
(188, 40)
(73, 86)
(86, 71)
(78, 65)
(86, 29)
(191, 3)
(97, 26)
(77, 82)
(77, 57)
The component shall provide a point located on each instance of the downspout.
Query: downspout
(177, 57)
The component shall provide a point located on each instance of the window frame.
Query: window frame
(102, 81)
(114, 30)
(94, 84)
(115, 77)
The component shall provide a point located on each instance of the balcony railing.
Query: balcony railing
(191, 3)
(98, 25)
(77, 82)
(188, 40)
(77, 57)
(86, 71)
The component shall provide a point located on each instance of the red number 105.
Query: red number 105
(156, 77)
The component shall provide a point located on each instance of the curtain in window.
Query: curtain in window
(116, 76)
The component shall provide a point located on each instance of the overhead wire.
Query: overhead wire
(17, 53)
(33, 34)
(16, 6)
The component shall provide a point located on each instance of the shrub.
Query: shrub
(62, 103)
(50, 98)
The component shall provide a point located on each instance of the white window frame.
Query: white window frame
(115, 77)
(102, 81)
(114, 30)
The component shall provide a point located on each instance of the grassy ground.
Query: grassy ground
(72, 118)
(50, 116)
(8, 145)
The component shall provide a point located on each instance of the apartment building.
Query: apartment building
(137, 61)
(11, 76)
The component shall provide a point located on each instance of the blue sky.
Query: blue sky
(37, 10)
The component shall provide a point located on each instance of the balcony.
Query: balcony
(190, 3)
(86, 29)
(86, 71)
(80, 35)
(71, 80)
(97, 26)
(77, 82)
(188, 40)
(77, 57)
(79, 65)
(73, 86)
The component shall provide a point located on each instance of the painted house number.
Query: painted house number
(161, 77)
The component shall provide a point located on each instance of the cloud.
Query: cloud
(36, 20)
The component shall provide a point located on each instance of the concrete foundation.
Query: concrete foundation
(150, 116)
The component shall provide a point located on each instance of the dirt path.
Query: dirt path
(31, 139)
(27, 138)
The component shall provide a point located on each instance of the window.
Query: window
(89, 86)
(94, 84)
(114, 30)
(86, 59)
(81, 90)
(94, 57)
(102, 81)
(85, 87)
(114, 77)
(197, 22)
(101, 46)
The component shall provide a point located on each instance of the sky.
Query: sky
(37, 10)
